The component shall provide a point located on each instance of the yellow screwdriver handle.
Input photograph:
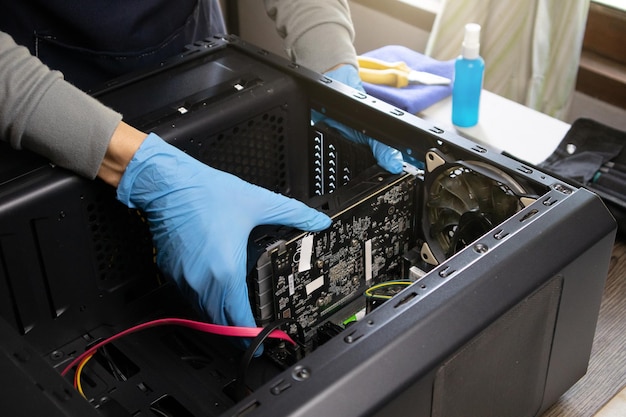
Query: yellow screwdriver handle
(390, 77)
(379, 64)
(376, 71)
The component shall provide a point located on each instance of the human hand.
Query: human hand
(386, 156)
(200, 219)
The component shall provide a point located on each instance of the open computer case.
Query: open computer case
(468, 285)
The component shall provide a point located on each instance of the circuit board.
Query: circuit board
(315, 274)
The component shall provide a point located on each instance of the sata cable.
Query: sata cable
(232, 331)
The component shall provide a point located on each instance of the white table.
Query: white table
(506, 126)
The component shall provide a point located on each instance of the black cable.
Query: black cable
(114, 368)
(255, 344)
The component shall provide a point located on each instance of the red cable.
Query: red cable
(232, 331)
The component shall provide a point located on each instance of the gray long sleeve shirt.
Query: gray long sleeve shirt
(45, 114)
(317, 34)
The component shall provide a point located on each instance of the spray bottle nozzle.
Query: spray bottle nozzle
(471, 41)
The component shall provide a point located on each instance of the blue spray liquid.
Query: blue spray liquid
(469, 70)
(468, 84)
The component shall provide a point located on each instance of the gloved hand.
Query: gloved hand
(386, 156)
(200, 219)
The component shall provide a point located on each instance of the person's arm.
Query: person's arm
(45, 114)
(317, 34)
(125, 142)
(200, 218)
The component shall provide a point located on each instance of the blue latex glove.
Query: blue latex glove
(386, 156)
(200, 219)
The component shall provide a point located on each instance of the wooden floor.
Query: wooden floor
(602, 391)
(616, 407)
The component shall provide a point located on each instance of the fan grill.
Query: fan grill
(462, 205)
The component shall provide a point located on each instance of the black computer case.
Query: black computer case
(502, 266)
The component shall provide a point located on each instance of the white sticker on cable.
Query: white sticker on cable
(313, 285)
(368, 260)
(306, 251)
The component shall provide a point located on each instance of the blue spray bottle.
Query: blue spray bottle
(469, 69)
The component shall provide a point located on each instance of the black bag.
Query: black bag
(592, 155)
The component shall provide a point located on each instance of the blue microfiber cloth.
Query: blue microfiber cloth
(413, 98)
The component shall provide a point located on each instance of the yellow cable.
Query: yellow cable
(369, 291)
(79, 370)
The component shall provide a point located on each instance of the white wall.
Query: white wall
(257, 28)
(375, 29)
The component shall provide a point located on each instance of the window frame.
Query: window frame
(602, 69)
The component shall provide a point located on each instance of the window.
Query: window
(418, 13)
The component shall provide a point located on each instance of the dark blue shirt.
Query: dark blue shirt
(92, 41)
